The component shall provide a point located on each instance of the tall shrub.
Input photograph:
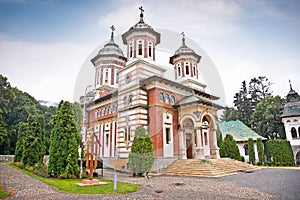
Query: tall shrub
(64, 142)
(251, 151)
(23, 131)
(279, 152)
(230, 149)
(141, 157)
(260, 151)
(34, 149)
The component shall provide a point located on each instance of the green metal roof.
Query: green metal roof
(238, 130)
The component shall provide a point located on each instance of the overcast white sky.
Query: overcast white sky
(44, 43)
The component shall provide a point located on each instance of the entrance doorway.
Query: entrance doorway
(189, 146)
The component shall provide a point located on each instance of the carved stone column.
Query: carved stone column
(199, 148)
(215, 149)
(182, 148)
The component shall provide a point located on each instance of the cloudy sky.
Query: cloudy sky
(44, 43)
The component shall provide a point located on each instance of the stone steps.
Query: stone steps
(208, 168)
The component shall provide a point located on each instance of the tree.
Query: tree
(266, 120)
(251, 151)
(64, 143)
(279, 152)
(243, 105)
(229, 114)
(260, 151)
(259, 88)
(229, 148)
(141, 157)
(34, 149)
(23, 132)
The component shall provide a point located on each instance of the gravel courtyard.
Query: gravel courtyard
(262, 184)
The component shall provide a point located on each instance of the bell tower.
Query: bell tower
(141, 40)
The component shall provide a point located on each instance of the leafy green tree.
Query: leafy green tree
(260, 151)
(141, 157)
(229, 148)
(219, 139)
(64, 142)
(265, 119)
(23, 132)
(251, 151)
(279, 152)
(34, 149)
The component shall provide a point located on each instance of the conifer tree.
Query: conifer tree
(64, 142)
(260, 151)
(34, 149)
(20, 146)
(251, 151)
(141, 157)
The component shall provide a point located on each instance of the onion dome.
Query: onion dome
(292, 107)
(184, 50)
(141, 26)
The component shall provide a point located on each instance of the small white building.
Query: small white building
(291, 120)
(240, 133)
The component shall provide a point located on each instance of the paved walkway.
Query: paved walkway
(163, 187)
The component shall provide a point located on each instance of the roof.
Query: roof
(196, 99)
(292, 107)
(238, 130)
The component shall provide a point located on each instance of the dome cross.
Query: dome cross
(183, 39)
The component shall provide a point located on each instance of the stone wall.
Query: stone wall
(6, 158)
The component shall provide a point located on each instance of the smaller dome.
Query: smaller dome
(111, 49)
(184, 48)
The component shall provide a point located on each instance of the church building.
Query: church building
(131, 90)
(291, 120)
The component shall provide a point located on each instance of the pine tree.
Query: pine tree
(230, 149)
(251, 151)
(64, 142)
(260, 151)
(23, 132)
(34, 149)
(141, 157)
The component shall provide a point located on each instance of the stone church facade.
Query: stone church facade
(131, 90)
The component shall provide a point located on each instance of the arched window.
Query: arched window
(167, 98)
(178, 70)
(294, 132)
(140, 48)
(172, 99)
(161, 97)
(246, 149)
(130, 50)
(130, 98)
(299, 131)
(150, 49)
(187, 69)
(98, 76)
(195, 70)
(125, 100)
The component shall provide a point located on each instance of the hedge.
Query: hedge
(279, 153)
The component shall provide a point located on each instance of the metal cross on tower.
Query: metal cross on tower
(142, 10)
(112, 31)
(183, 39)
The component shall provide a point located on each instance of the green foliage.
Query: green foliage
(34, 149)
(230, 149)
(219, 139)
(260, 151)
(265, 119)
(279, 152)
(23, 132)
(229, 114)
(15, 107)
(141, 157)
(251, 151)
(64, 142)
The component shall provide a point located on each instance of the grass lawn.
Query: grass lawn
(3, 194)
(69, 185)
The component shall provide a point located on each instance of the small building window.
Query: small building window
(130, 98)
(294, 132)
(106, 76)
(187, 69)
(168, 136)
(130, 50)
(161, 97)
(246, 149)
(205, 138)
(167, 98)
(106, 139)
(150, 49)
(172, 99)
(140, 48)
(179, 70)
(195, 70)
(299, 131)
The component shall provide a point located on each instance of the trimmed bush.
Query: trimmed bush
(260, 151)
(251, 151)
(279, 153)
(230, 149)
